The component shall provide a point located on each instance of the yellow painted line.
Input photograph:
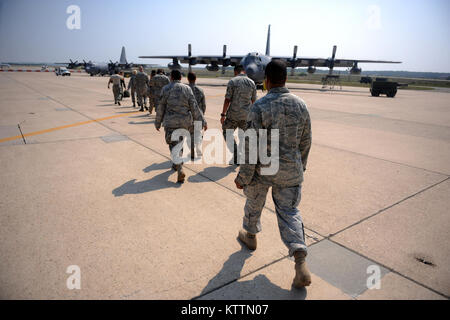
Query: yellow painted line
(66, 126)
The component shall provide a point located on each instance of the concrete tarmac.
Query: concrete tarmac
(88, 183)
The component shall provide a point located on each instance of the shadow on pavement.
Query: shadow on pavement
(158, 182)
(143, 122)
(213, 173)
(158, 166)
(259, 288)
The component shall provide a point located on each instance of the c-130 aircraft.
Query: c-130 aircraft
(255, 63)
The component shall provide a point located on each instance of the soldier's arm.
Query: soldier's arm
(161, 108)
(228, 97)
(247, 170)
(129, 83)
(305, 140)
(203, 103)
(254, 94)
(195, 110)
(110, 80)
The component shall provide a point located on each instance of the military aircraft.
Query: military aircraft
(110, 67)
(255, 63)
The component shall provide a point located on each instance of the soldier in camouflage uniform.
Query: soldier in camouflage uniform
(156, 84)
(177, 109)
(141, 82)
(200, 98)
(241, 93)
(287, 113)
(132, 87)
(151, 98)
(117, 81)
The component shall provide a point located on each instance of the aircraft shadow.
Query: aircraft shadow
(212, 173)
(260, 288)
(158, 182)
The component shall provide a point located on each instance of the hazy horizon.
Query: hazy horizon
(414, 32)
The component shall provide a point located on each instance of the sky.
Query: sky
(416, 32)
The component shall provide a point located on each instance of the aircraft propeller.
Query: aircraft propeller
(225, 59)
(331, 62)
(293, 60)
(192, 60)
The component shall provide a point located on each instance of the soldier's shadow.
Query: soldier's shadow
(158, 182)
(142, 122)
(212, 173)
(259, 288)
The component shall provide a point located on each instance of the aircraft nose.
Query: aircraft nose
(251, 70)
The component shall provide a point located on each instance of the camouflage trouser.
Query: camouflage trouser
(156, 100)
(286, 200)
(141, 96)
(116, 92)
(133, 95)
(168, 136)
(233, 124)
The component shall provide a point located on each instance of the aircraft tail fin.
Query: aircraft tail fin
(268, 43)
(123, 57)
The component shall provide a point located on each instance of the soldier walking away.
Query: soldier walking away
(177, 109)
(240, 95)
(141, 82)
(200, 98)
(156, 84)
(132, 87)
(288, 114)
(151, 98)
(116, 80)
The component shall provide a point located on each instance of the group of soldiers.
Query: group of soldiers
(177, 107)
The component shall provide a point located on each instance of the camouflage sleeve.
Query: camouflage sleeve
(129, 83)
(305, 141)
(161, 108)
(246, 170)
(254, 93)
(193, 106)
(229, 93)
(202, 103)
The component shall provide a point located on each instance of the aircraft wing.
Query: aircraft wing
(321, 62)
(219, 60)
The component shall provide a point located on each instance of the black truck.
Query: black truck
(384, 86)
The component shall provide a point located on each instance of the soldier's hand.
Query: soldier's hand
(157, 129)
(222, 120)
(205, 127)
(237, 184)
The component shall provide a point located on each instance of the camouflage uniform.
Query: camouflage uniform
(141, 83)
(241, 91)
(177, 109)
(116, 81)
(284, 111)
(156, 85)
(200, 98)
(132, 88)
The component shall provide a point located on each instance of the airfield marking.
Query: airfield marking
(66, 126)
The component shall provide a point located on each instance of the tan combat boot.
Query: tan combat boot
(181, 175)
(302, 275)
(248, 238)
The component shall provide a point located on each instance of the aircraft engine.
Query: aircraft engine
(213, 67)
(355, 69)
(174, 66)
(311, 69)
